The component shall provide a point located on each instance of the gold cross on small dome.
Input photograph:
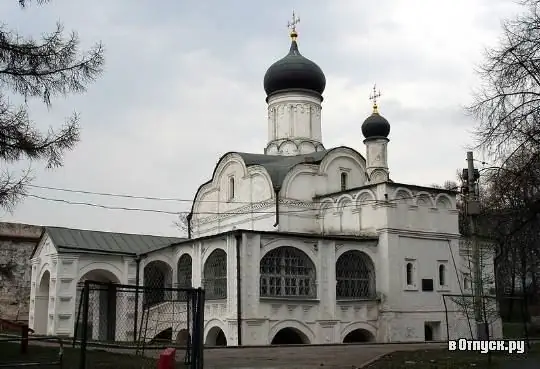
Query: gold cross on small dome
(292, 25)
(373, 97)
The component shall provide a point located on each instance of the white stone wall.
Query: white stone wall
(254, 205)
(417, 226)
(61, 300)
(321, 320)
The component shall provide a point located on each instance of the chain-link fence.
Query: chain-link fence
(43, 352)
(462, 312)
(139, 322)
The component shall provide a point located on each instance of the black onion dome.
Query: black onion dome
(375, 125)
(294, 72)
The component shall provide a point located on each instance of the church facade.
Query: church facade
(298, 244)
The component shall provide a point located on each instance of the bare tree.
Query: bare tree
(510, 193)
(182, 223)
(507, 108)
(46, 68)
(466, 302)
(508, 103)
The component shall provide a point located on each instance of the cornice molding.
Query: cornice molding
(420, 234)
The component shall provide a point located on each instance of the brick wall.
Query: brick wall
(17, 242)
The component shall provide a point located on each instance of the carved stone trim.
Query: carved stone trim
(298, 203)
(237, 211)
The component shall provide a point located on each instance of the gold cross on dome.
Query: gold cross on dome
(292, 24)
(374, 96)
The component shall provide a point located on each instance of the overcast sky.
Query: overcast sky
(183, 85)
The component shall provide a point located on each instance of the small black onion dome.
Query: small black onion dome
(294, 72)
(375, 125)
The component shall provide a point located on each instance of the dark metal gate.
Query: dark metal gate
(139, 322)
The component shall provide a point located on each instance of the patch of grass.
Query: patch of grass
(96, 359)
(517, 330)
(443, 359)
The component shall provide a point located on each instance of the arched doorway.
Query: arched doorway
(102, 307)
(158, 277)
(183, 338)
(41, 309)
(290, 336)
(164, 336)
(216, 337)
(359, 335)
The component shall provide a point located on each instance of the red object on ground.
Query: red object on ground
(167, 359)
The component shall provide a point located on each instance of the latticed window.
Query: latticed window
(215, 275)
(184, 271)
(355, 276)
(287, 272)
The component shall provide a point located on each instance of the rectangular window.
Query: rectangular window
(427, 284)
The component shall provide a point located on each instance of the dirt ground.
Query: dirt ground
(302, 357)
(271, 357)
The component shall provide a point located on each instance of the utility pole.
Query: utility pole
(472, 210)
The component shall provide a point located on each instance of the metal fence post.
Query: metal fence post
(76, 330)
(200, 328)
(86, 301)
(446, 317)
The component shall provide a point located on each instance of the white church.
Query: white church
(301, 243)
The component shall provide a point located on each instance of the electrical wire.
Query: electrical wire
(109, 194)
(155, 198)
(231, 211)
(103, 206)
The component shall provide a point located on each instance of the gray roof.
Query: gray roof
(278, 166)
(85, 241)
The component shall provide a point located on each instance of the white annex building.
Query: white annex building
(301, 243)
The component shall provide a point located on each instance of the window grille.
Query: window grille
(215, 275)
(157, 275)
(355, 276)
(184, 271)
(287, 272)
